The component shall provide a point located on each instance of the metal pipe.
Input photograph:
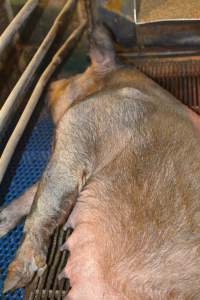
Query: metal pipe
(23, 121)
(16, 23)
(9, 106)
(162, 53)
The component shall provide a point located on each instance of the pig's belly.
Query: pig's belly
(88, 264)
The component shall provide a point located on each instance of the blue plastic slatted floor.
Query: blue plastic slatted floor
(30, 165)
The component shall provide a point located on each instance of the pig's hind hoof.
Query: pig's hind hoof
(20, 274)
(26, 264)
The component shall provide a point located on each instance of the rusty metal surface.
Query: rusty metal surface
(181, 79)
(167, 67)
(153, 23)
(48, 287)
(186, 89)
(168, 23)
(160, 10)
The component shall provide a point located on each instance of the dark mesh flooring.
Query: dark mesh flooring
(27, 166)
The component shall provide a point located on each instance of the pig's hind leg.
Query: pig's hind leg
(55, 197)
(13, 213)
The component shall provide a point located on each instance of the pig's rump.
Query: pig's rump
(137, 219)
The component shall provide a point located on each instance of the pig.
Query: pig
(124, 175)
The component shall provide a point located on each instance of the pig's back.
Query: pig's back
(142, 194)
(149, 124)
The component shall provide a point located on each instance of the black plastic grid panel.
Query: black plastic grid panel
(22, 174)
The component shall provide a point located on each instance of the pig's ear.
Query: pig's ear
(102, 52)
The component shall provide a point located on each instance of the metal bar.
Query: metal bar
(53, 251)
(23, 121)
(52, 276)
(48, 285)
(61, 264)
(10, 106)
(157, 54)
(17, 22)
